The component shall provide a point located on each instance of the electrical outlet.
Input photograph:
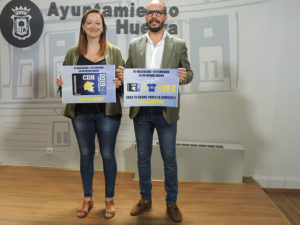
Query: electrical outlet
(97, 152)
(49, 151)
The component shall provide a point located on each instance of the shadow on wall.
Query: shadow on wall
(221, 117)
(130, 158)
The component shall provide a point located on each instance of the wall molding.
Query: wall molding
(278, 182)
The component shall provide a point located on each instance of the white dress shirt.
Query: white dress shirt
(154, 53)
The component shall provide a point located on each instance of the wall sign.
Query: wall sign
(21, 23)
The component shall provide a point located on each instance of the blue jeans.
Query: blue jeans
(144, 124)
(86, 126)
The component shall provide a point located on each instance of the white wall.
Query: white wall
(257, 107)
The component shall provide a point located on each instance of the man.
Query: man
(157, 49)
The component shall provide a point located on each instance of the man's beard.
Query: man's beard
(155, 29)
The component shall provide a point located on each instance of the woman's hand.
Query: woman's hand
(117, 82)
(59, 81)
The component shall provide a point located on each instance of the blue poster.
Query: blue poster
(88, 84)
(151, 87)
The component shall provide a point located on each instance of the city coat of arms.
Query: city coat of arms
(21, 23)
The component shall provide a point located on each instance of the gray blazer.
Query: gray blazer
(174, 56)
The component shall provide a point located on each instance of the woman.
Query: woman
(95, 118)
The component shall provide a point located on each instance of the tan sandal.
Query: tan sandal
(109, 212)
(82, 212)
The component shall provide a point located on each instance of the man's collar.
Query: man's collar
(163, 37)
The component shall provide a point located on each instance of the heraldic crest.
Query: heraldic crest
(21, 23)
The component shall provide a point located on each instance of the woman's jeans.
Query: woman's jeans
(86, 126)
(144, 124)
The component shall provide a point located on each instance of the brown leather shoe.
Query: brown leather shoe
(174, 213)
(140, 207)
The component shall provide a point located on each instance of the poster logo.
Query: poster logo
(21, 23)
(89, 84)
(135, 87)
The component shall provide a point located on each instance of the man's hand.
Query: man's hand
(120, 72)
(59, 81)
(182, 74)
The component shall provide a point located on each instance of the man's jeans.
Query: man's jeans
(86, 126)
(144, 124)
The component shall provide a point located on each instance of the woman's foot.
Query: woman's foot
(110, 209)
(87, 205)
